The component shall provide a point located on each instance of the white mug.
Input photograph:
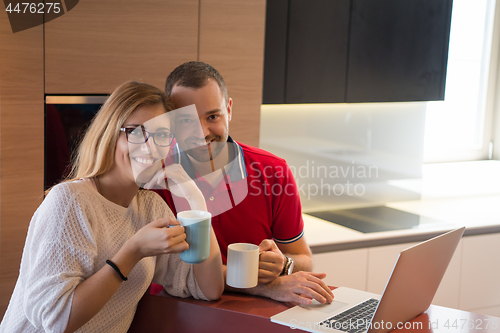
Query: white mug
(242, 265)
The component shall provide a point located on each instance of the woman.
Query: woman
(97, 242)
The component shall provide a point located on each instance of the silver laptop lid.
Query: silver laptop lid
(415, 280)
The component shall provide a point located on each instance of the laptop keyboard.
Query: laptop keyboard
(353, 320)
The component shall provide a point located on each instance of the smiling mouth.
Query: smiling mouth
(201, 143)
(145, 160)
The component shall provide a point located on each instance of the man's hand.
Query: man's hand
(271, 261)
(299, 288)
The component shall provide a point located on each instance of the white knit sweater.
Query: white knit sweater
(70, 237)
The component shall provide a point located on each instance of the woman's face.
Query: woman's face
(136, 160)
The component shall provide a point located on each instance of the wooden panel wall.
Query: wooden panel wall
(101, 44)
(21, 145)
(232, 40)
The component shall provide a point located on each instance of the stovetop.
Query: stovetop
(374, 219)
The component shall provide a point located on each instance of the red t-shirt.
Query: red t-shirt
(257, 198)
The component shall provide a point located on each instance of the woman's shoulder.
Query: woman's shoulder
(63, 206)
(78, 193)
(72, 188)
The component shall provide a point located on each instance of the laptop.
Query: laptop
(409, 292)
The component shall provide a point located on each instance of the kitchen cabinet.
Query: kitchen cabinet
(343, 268)
(471, 281)
(21, 145)
(101, 44)
(355, 51)
(231, 39)
(275, 52)
(480, 283)
(317, 51)
(398, 50)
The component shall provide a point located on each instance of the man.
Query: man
(252, 192)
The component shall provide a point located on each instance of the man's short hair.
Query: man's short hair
(194, 74)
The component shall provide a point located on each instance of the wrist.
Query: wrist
(287, 266)
(259, 290)
(124, 262)
(131, 251)
(269, 290)
(285, 260)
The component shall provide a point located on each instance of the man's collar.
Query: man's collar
(235, 169)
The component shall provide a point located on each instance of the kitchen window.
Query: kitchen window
(460, 127)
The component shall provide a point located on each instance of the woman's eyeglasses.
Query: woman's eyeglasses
(139, 135)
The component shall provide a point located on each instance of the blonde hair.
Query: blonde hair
(95, 154)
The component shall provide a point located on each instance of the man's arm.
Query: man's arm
(298, 288)
(287, 230)
(300, 253)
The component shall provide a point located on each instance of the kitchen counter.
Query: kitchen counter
(246, 313)
(455, 194)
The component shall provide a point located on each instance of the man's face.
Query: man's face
(206, 142)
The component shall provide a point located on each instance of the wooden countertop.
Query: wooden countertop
(244, 313)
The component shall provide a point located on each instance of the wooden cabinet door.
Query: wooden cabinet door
(232, 41)
(98, 45)
(21, 145)
(398, 50)
(317, 51)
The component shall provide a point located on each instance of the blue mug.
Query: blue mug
(197, 225)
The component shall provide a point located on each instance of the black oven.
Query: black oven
(66, 119)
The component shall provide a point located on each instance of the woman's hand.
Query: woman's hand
(180, 184)
(158, 237)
